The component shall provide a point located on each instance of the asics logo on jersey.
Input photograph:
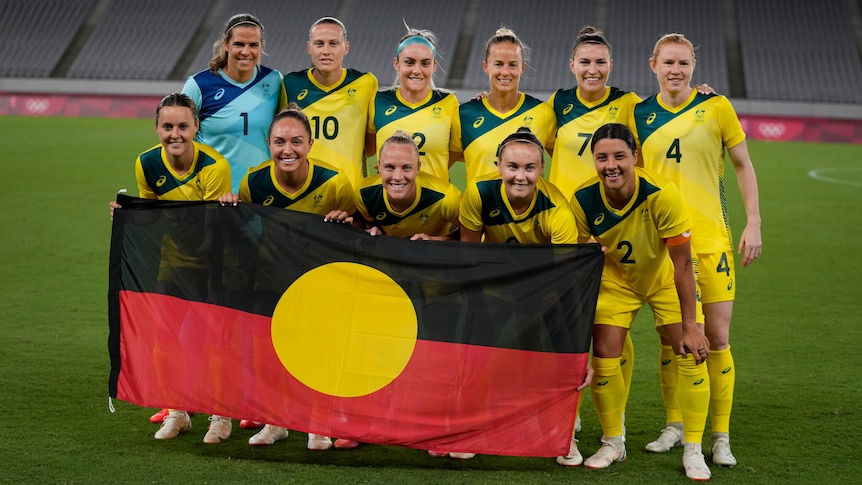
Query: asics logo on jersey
(698, 382)
(268, 201)
(478, 122)
(390, 110)
(729, 285)
(161, 181)
(568, 109)
(302, 94)
(494, 213)
(219, 94)
(599, 219)
(650, 118)
(380, 216)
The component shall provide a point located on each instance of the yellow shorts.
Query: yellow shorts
(618, 305)
(715, 274)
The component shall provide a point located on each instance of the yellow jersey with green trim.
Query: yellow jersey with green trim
(572, 162)
(434, 212)
(325, 189)
(207, 178)
(548, 220)
(338, 116)
(687, 146)
(479, 129)
(429, 121)
(637, 255)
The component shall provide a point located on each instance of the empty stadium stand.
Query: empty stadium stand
(754, 51)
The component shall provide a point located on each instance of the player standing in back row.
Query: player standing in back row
(683, 136)
(335, 99)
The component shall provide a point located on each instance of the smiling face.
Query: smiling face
(615, 162)
(504, 66)
(398, 167)
(415, 65)
(591, 64)
(521, 164)
(327, 47)
(177, 128)
(243, 48)
(289, 144)
(673, 65)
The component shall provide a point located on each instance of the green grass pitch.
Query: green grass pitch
(796, 337)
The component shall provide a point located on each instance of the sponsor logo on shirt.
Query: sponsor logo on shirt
(219, 94)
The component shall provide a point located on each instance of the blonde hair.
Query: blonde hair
(425, 34)
(400, 137)
(672, 39)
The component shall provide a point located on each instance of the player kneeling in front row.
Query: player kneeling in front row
(642, 222)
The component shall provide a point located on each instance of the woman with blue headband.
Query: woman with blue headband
(414, 105)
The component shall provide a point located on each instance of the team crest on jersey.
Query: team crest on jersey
(568, 109)
(161, 181)
(479, 121)
(302, 94)
(650, 118)
(351, 94)
(699, 115)
(437, 112)
(219, 94)
(423, 219)
(528, 121)
(268, 201)
(390, 110)
(318, 200)
(645, 214)
(599, 219)
(265, 87)
(612, 112)
(380, 216)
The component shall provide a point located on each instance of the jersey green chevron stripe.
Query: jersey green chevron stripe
(373, 197)
(491, 195)
(389, 109)
(578, 109)
(307, 93)
(594, 207)
(650, 115)
(476, 121)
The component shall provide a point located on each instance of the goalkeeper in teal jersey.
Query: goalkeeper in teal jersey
(237, 97)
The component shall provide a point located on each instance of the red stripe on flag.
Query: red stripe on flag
(455, 397)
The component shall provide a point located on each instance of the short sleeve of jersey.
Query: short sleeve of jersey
(470, 213)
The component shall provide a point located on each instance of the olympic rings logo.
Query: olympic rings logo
(37, 105)
(771, 130)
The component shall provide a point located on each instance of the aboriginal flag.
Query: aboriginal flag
(273, 315)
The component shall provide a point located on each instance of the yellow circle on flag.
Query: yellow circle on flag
(344, 329)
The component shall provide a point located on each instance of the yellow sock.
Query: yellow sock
(627, 363)
(668, 373)
(578, 408)
(722, 377)
(609, 393)
(693, 396)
